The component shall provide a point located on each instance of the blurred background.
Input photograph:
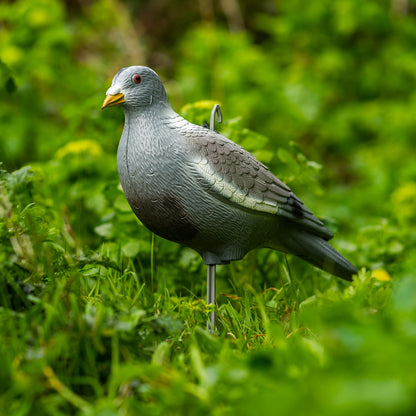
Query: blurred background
(327, 87)
(322, 91)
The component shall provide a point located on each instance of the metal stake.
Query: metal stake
(216, 111)
(211, 295)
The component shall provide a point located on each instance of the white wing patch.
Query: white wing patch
(177, 122)
(231, 192)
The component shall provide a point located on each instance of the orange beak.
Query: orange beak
(113, 100)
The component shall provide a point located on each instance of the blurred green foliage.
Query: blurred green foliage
(99, 317)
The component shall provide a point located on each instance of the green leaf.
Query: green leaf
(131, 249)
(105, 230)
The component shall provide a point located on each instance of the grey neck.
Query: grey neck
(160, 108)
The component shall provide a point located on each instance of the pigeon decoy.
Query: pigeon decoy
(191, 185)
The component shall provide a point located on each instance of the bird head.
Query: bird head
(135, 87)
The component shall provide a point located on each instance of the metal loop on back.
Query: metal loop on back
(216, 111)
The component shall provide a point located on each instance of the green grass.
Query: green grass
(97, 341)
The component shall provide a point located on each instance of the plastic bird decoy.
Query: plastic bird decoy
(191, 185)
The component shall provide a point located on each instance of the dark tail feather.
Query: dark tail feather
(318, 252)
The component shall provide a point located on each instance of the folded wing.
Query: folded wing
(235, 176)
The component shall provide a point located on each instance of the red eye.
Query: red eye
(137, 79)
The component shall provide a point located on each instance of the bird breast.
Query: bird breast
(151, 170)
